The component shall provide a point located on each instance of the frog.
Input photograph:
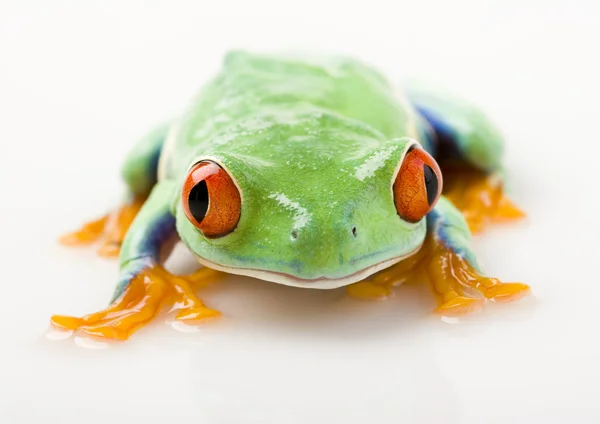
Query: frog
(312, 171)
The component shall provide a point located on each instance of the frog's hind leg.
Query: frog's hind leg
(469, 149)
(140, 174)
(111, 228)
(479, 196)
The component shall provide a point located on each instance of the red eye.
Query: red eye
(418, 185)
(211, 200)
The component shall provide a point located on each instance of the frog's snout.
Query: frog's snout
(295, 233)
(323, 251)
(326, 256)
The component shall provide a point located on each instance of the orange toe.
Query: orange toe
(110, 250)
(88, 233)
(368, 290)
(508, 292)
(460, 305)
(197, 313)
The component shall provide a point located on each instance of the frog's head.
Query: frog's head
(308, 219)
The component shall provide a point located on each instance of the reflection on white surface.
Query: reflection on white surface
(90, 343)
(183, 327)
(450, 320)
(55, 334)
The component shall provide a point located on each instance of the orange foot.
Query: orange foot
(147, 294)
(480, 197)
(458, 288)
(112, 226)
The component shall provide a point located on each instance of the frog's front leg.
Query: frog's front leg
(145, 287)
(456, 278)
(447, 261)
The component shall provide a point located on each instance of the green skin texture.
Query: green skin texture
(314, 146)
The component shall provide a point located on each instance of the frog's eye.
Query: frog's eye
(211, 200)
(418, 185)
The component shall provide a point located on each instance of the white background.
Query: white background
(81, 80)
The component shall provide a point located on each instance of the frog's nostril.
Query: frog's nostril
(354, 232)
(294, 235)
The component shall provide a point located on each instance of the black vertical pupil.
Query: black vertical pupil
(431, 184)
(198, 201)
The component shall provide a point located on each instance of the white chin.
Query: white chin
(317, 283)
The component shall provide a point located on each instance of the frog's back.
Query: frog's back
(265, 94)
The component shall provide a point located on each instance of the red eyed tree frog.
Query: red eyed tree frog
(311, 172)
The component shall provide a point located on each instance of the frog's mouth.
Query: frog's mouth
(316, 283)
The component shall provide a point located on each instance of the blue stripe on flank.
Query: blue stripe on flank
(160, 231)
(448, 145)
(146, 253)
(440, 127)
(128, 273)
(153, 165)
(427, 137)
(450, 229)
(437, 227)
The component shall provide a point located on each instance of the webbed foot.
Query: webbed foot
(460, 289)
(480, 197)
(111, 227)
(146, 295)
